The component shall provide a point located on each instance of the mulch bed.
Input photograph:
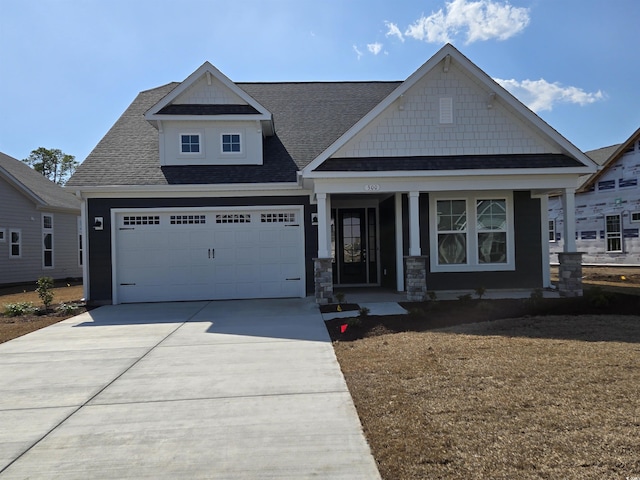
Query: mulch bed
(441, 314)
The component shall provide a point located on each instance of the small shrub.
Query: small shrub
(44, 291)
(432, 296)
(67, 308)
(598, 298)
(363, 312)
(18, 309)
(354, 322)
(480, 291)
(340, 297)
(465, 298)
(536, 294)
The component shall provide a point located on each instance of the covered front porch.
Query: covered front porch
(377, 240)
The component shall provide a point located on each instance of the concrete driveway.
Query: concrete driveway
(220, 390)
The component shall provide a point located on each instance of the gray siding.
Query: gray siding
(19, 212)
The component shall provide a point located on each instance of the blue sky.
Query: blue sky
(69, 68)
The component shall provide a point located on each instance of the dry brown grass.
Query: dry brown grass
(527, 398)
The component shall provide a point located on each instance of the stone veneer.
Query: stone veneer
(323, 278)
(570, 274)
(416, 279)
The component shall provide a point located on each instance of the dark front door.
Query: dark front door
(352, 245)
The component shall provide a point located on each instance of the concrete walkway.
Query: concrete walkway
(213, 390)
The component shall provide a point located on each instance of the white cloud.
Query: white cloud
(541, 95)
(393, 31)
(358, 52)
(481, 19)
(374, 48)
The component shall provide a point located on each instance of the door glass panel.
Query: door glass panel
(352, 234)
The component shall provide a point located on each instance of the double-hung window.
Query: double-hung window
(613, 233)
(47, 241)
(552, 230)
(472, 233)
(491, 218)
(15, 243)
(452, 232)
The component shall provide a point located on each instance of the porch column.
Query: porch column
(399, 244)
(544, 227)
(569, 210)
(570, 269)
(324, 222)
(414, 224)
(416, 273)
(322, 266)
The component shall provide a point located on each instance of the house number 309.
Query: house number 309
(373, 187)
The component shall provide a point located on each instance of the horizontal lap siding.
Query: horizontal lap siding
(18, 212)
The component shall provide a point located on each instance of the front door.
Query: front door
(356, 252)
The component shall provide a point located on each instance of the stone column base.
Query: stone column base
(416, 279)
(323, 278)
(570, 274)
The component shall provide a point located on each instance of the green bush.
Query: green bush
(67, 308)
(18, 309)
(45, 291)
(465, 298)
(480, 291)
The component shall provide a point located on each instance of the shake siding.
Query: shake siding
(411, 125)
(18, 212)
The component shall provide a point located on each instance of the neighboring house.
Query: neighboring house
(39, 226)
(209, 189)
(607, 209)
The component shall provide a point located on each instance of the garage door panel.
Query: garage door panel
(208, 255)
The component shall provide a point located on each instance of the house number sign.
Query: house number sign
(372, 187)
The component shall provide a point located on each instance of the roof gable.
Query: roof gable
(39, 189)
(207, 94)
(487, 120)
(615, 153)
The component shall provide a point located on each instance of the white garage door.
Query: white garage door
(208, 255)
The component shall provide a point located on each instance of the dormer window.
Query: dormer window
(231, 143)
(190, 143)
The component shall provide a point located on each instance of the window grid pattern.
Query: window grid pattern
(190, 143)
(613, 233)
(47, 241)
(278, 217)
(231, 143)
(141, 220)
(233, 218)
(187, 219)
(452, 232)
(552, 230)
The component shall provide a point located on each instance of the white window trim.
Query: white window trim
(473, 264)
(200, 144)
(552, 229)
(80, 242)
(241, 152)
(3, 235)
(47, 231)
(608, 235)
(11, 244)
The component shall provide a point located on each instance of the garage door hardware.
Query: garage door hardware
(297, 278)
(127, 284)
(212, 253)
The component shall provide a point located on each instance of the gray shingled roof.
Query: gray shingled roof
(453, 162)
(308, 118)
(49, 193)
(601, 155)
